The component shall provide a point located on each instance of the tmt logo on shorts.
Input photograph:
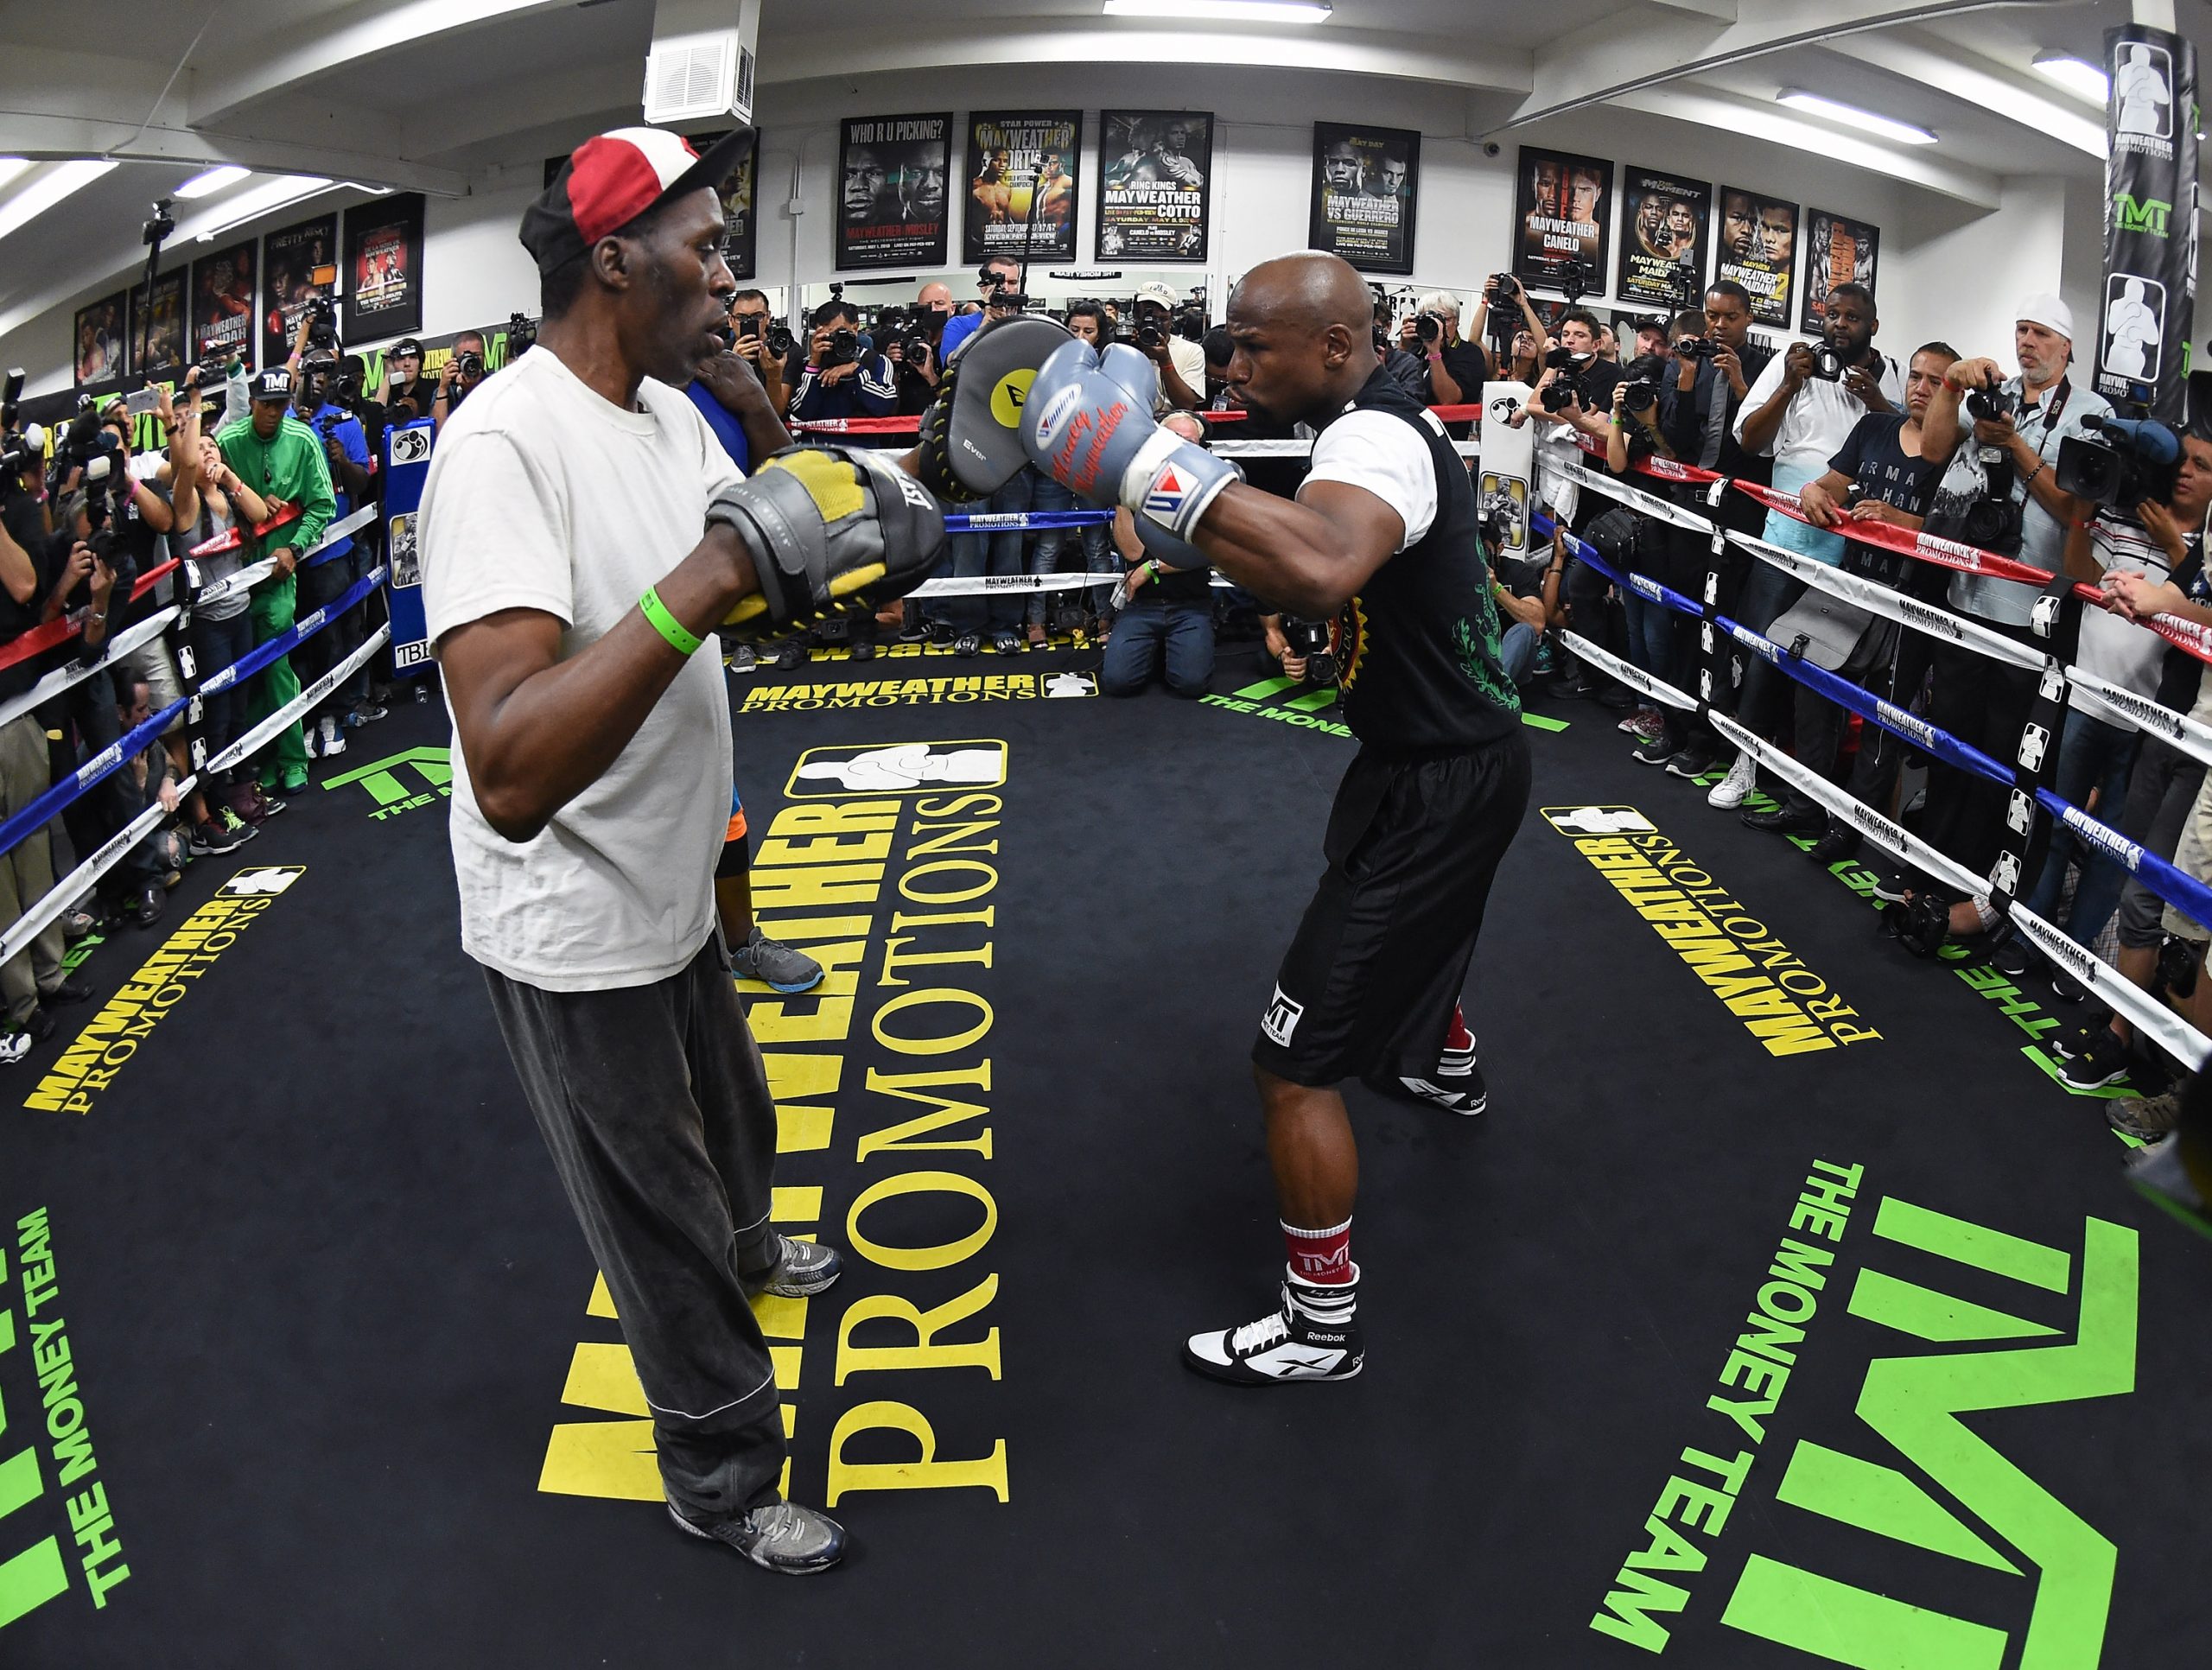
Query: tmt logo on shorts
(1281, 1019)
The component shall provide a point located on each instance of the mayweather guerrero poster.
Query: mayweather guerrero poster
(1365, 180)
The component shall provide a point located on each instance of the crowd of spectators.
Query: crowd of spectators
(276, 459)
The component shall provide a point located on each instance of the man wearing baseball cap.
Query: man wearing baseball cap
(582, 534)
(404, 378)
(279, 457)
(1182, 365)
(2005, 458)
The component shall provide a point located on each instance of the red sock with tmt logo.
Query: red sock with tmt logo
(1319, 1255)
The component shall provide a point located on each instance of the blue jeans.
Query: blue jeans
(1149, 629)
(978, 554)
(2091, 755)
(1516, 651)
(1044, 555)
(1650, 634)
(1768, 593)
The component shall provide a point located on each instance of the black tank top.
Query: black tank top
(1419, 645)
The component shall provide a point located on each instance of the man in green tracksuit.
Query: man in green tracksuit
(279, 457)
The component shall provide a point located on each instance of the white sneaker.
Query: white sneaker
(307, 739)
(333, 739)
(1315, 1336)
(1731, 790)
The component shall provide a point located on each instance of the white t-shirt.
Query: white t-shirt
(1380, 452)
(1817, 421)
(2115, 650)
(543, 496)
(1189, 360)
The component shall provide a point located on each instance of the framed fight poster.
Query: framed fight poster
(1365, 183)
(891, 209)
(1154, 170)
(1758, 249)
(384, 268)
(1838, 250)
(1561, 202)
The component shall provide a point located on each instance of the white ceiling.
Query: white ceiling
(427, 94)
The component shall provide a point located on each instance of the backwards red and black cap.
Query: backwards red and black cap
(610, 181)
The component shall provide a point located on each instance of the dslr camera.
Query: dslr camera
(468, 364)
(1503, 287)
(1313, 640)
(322, 316)
(1641, 379)
(2126, 460)
(522, 335)
(1429, 327)
(1565, 390)
(1993, 521)
(844, 347)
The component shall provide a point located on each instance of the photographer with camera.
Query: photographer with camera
(998, 277)
(1520, 352)
(1998, 490)
(326, 575)
(2162, 795)
(282, 458)
(842, 377)
(1181, 363)
(462, 372)
(1799, 413)
(914, 351)
(1165, 626)
(404, 382)
(1454, 369)
(761, 343)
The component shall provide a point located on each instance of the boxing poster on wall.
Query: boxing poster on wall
(1758, 248)
(2149, 268)
(1561, 202)
(222, 304)
(741, 224)
(1364, 183)
(1663, 240)
(384, 268)
(1838, 250)
(1152, 171)
(297, 264)
(98, 356)
(891, 202)
(157, 326)
(1021, 184)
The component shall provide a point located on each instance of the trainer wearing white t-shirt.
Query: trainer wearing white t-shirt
(582, 534)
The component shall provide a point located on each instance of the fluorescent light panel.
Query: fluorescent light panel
(63, 180)
(1221, 11)
(207, 184)
(265, 198)
(2077, 75)
(1851, 116)
(10, 167)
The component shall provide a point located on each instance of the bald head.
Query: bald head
(1301, 336)
(1308, 291)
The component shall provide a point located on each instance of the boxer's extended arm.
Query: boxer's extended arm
(1310, 554)
(536, 730)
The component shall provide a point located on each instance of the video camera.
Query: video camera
(320, 315)
(522, 335)
(18, 449)
(2130, 460)
(1566, 389)
(1993, 521)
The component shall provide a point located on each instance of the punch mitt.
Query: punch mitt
(1089, 431)
(971, 433)
(831, 530)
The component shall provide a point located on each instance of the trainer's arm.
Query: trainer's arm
(536, 730)
(1310, 554)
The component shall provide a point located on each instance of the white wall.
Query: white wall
(1946, 270)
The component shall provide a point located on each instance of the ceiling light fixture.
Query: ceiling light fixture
(10, 167)
(62, 181)
(1222, 11)
(284, 189)
(1851, 116)
(207, 184)
(2077, 75)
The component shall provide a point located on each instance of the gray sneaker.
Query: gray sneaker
(2146, 1118)
(805, 1268)
(782, 1536)
(775, 963)
(2157, 1174)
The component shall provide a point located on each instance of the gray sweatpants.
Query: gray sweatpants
(653, 1101)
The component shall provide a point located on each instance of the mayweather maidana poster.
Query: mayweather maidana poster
(1663, 240)
(1365, 180)
(1021, 184)
(1153, 167)
(891, 198)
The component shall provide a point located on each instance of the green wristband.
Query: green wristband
(665, 624)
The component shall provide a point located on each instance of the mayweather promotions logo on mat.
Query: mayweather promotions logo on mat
(401, 782)
(885, 869)
(127, 1020)
(42, 1409)
(915, 692)
(1293, 701)
(1918, 1487)
(1784, 1005)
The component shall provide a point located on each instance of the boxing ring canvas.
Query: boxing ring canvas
(1782, 1309)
